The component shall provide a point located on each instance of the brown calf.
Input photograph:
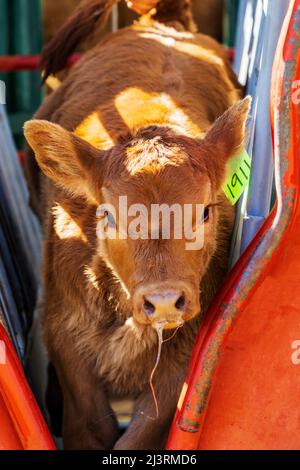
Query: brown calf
(151, 113)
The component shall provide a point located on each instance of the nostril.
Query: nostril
(149, 308)
(180, 304)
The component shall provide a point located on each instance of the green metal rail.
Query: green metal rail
(230, 21)
(21, 34)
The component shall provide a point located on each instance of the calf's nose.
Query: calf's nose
(164, 304)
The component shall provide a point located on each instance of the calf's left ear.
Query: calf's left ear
(66, 159)
(226, 137)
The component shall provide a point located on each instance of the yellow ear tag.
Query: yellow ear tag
(238, 171)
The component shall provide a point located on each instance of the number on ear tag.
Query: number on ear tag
(237, 176)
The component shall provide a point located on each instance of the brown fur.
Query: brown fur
(208, 15)
(94, 13)
(138, 116)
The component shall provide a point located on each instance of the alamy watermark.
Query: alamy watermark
(295, 356)
(2, 353)
(161, 221)
(296, 93)
(2, 92)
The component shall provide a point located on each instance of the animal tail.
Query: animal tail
(92, 14)
(89, 15)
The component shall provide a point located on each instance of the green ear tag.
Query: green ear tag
(237, 176)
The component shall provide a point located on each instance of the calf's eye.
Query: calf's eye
(205, 214)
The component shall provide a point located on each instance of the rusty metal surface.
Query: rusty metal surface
(254, 265)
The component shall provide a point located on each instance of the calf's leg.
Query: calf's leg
(88, 420)
(146, 432)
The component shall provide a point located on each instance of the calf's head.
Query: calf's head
(160, 272)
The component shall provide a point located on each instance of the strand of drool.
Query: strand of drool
(159, 327)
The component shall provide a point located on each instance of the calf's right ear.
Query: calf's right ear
(226, 137)
(65, 158)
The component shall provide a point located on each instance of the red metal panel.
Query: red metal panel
(17, 62)
(242, 388)
(22, 425)
(8, 436)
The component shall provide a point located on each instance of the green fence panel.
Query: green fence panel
(230, 21)
(22, 34)
(4, 41)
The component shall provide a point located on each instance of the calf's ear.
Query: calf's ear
(65, 158)
(226, 138)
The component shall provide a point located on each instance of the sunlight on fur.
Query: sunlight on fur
(152, 109)
(186, 47)
(93, 131)
(65, 227)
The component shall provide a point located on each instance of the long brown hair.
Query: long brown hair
(89, 15)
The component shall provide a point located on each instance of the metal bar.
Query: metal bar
(23, 418)
(254, 206)
(115, 18)
(262, 173)
(230, 21)
(13, 184)
(21, 36)
(4, 36)
(14, 63)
